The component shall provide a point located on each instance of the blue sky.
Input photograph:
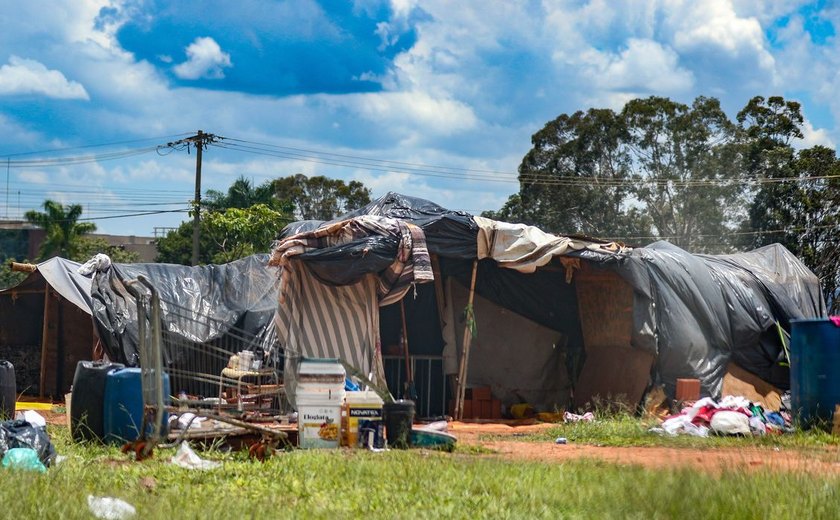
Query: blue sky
(433, 98)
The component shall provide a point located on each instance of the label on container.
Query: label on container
(357, 413)
(319, 426)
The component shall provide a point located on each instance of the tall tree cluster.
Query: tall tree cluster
(246, 218)
(659, 169)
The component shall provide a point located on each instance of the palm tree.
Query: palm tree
(62, 229)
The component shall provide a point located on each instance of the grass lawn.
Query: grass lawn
(410, 484)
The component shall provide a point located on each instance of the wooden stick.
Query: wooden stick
(45, 331)
(465, 351)
(22, 268)
(408, 375)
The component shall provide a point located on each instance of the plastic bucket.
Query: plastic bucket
(319, 419)
(814, 369)
(398, 417)
(8, 390)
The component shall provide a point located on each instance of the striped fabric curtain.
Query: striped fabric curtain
(315, 320)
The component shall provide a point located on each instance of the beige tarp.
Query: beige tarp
(525, 248)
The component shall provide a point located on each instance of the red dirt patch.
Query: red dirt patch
(824, 461)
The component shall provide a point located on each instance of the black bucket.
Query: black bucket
(8, 390)
(398, 417)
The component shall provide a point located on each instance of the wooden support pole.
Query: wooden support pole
(409, 378)
(465, 351)
(45, 334)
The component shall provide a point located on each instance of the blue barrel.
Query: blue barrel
(123, 405)
(814, 369)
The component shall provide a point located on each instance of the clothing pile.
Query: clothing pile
(732, 415)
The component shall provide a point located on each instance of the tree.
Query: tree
(240, 232)
(320, 198)
(176, 246)
(797, 202)
(241, 194)
(63, 231)
(90, 246)
(686, 168)
(657, 168)
(573, 180)
(9, 278)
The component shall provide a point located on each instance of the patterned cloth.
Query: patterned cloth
(411, 265)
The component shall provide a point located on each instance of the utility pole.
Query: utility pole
(200, 141)
(197, 207)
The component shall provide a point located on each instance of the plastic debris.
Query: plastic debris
(23, 458)
(560, 440)
(21, 434)
(573, 417)
(187, 458)
(109, 508)
(728, 422)
(32, 417)
(100, 262)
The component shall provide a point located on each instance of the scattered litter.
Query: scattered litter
(187, 458)
(573, 417)
(32, 417)
(189, 420)
(732, 415)
(23, 458)
(560, 440)
(109, 508)
(22, 434)
(729, 422)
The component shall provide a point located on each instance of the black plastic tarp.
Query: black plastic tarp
(199, 304)
(698, 312)
(695, 313)
(448, 233)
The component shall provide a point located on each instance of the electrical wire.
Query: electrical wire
(495, 176)
(100, 145)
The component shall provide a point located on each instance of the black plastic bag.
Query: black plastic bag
(21, 434)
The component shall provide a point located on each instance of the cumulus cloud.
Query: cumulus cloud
(643, 66)
(24, 76)
(205, 59)
(814, 137)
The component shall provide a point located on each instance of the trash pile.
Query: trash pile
(732, 415)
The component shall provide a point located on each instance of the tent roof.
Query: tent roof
(61, 274)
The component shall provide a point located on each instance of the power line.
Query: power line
(99, 145)
(496, 176)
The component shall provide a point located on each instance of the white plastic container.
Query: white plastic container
(321, 375)
(359, 406)
(319, 418)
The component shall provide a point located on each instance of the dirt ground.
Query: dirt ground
(714, 460)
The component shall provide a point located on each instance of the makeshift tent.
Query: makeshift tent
(210, 308)
(45, 327)
(560, 319)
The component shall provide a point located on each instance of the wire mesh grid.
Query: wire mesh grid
(237, 370)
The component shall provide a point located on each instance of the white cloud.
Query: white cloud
(643, 66)
(814, 137)
(205, 59)
(24, 76)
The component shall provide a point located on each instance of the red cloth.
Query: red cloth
(835, 320)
